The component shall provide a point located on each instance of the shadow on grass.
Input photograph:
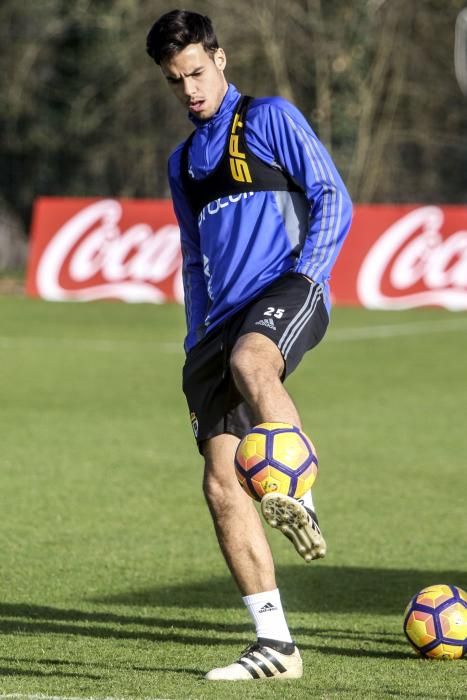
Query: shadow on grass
(15, 671)
(313, 588)
(6, 670)
(36, 620)
(318, 589)
(49, 621)
(359, 652)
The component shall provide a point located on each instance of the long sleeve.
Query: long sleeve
(194, 284)
(294, 147)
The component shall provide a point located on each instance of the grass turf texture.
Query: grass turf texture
(111, 581)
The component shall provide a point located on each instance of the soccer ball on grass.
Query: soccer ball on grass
(435, 622)
(276, 457)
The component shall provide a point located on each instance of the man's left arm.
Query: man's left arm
(297, 150)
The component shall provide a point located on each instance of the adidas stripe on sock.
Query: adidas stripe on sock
(268, 616)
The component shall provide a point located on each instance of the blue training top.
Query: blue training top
(239, 244)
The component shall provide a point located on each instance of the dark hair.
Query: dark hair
(175, 30)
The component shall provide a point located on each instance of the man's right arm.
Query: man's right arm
(196, 297)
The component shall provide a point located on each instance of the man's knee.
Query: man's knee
(212, 487)
(218, 494)
(219, 474)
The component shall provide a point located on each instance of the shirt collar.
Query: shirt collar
(229, 101)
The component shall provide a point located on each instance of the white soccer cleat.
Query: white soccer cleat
(298, 523)
(261, 662)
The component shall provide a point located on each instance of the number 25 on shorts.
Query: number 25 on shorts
(272, 311)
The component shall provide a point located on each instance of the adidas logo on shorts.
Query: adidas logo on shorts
(268, 322)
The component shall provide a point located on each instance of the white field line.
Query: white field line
(101, 345)
(336, 335)
(39, 696)
(393, 330)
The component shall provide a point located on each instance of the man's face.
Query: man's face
(197, 79)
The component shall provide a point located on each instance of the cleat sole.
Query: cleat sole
(289, 516)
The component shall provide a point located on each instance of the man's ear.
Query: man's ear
(220, 59)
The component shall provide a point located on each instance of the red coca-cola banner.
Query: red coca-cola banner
(400, 257)
(84, 249)
(395, 257)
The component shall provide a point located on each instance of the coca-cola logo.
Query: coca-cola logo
(91, 257)
(412, 264)
(130, 250)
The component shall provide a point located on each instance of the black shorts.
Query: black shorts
(291, 312)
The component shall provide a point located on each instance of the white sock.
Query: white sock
(268, 616)
(307, 500)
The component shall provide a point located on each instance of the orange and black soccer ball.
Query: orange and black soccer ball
(435, 622)
(276, 457)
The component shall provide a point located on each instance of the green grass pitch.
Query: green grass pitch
(111, 583)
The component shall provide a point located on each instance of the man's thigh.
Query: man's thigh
(290, 312)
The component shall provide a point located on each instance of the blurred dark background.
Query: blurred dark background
(85, 112)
